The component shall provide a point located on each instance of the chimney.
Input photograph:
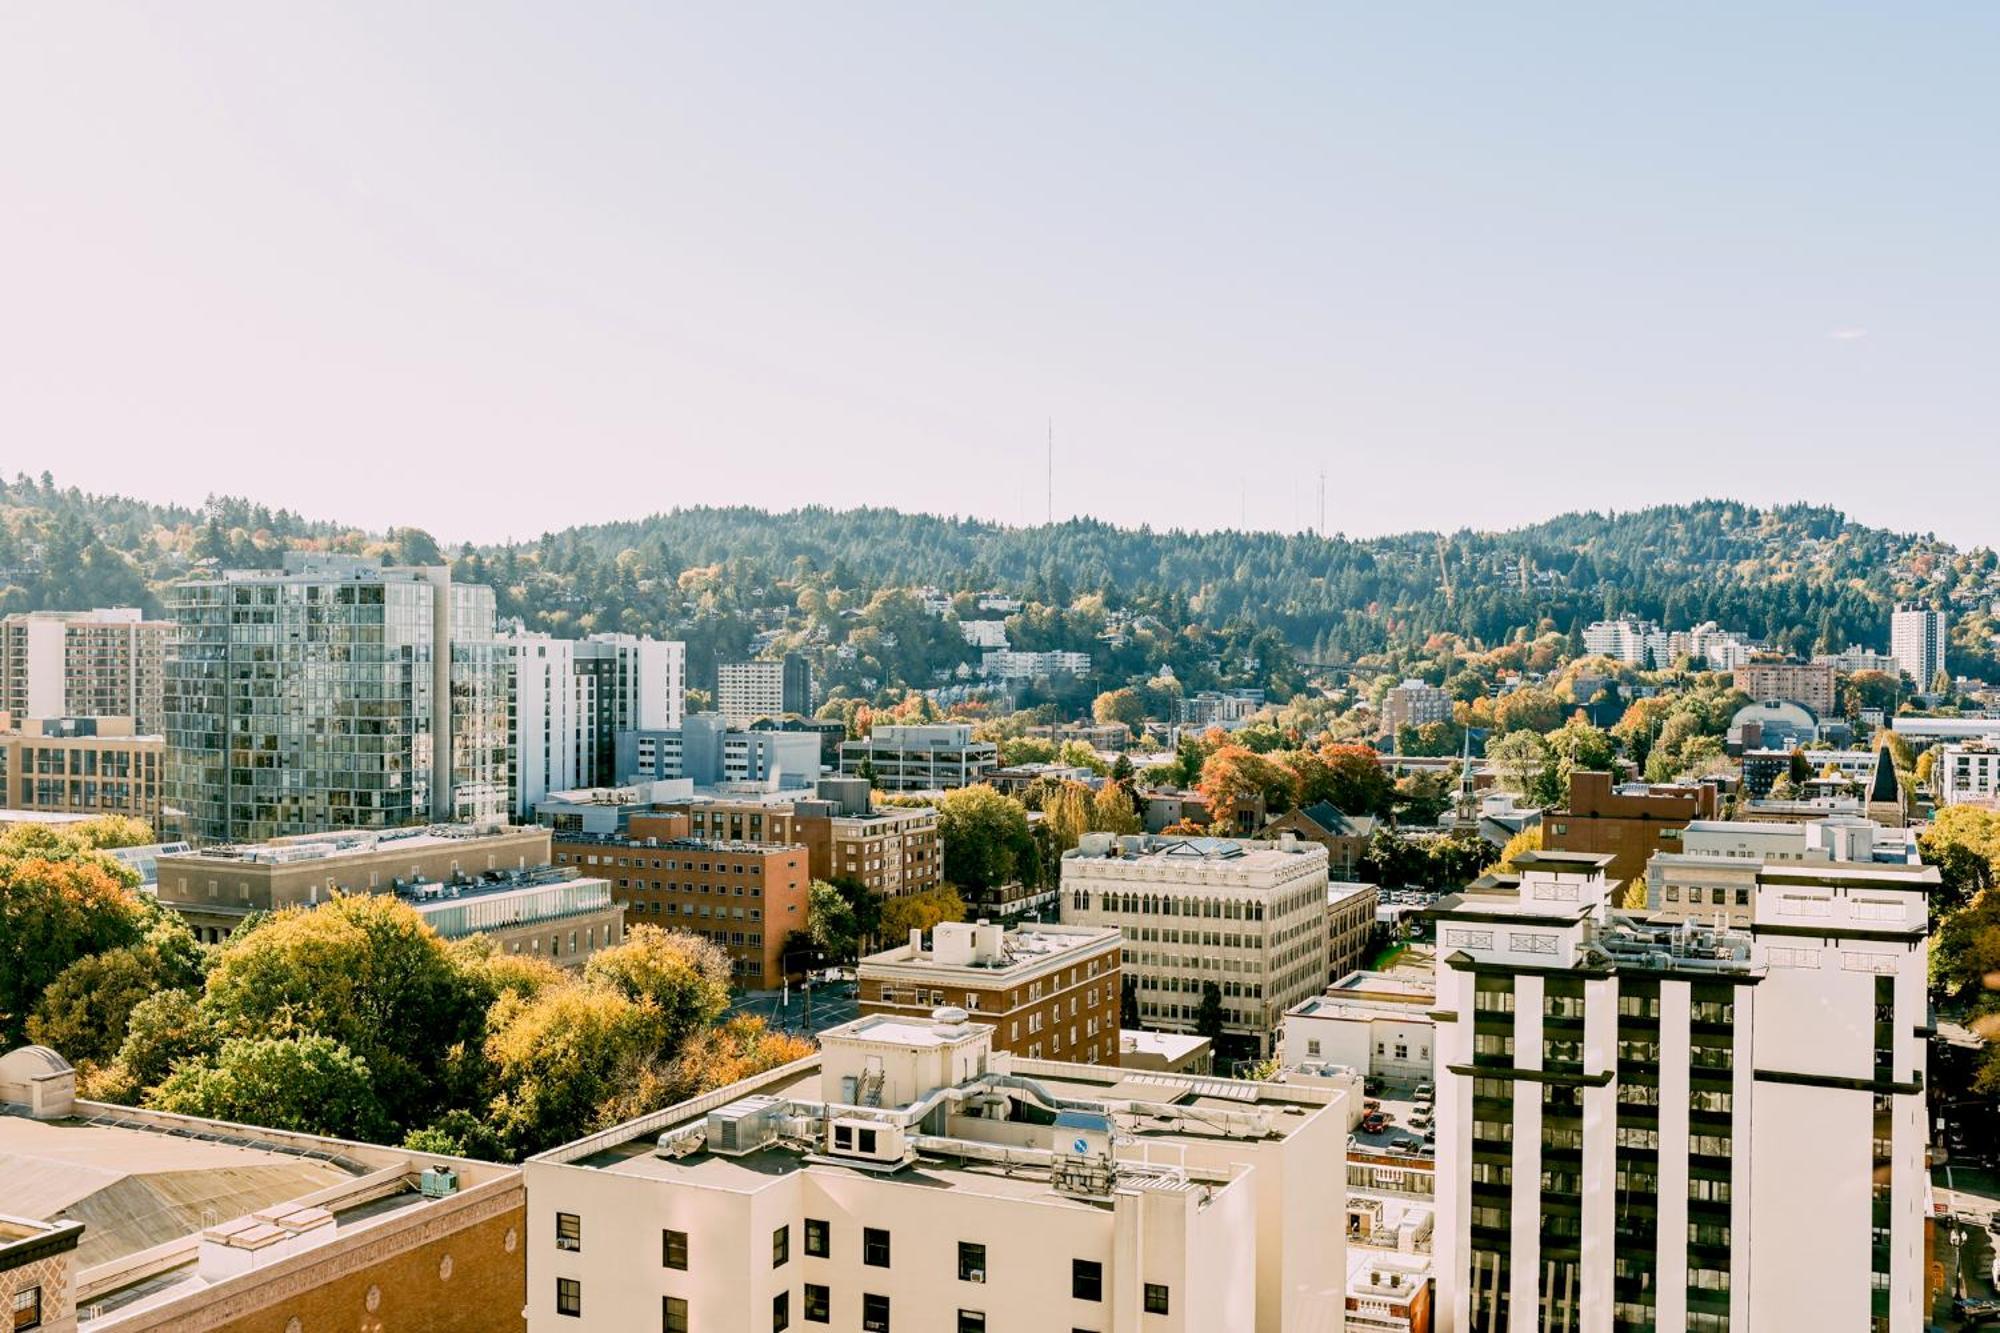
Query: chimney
(916, 939)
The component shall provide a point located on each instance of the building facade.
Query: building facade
(910, 1177)
(103, 663)
(1350, 926)
(1626, 1109)
(1008, 664)
(1049, 992)
(1967, 773)
(1247, 918)
(928, 757)
(1628, 822)
(746, 898)
(1917, 642)
(748, 691)
(337, 694)
(890, 851)
(707, 751)
(1808, 683)
(1414, 703)
(81, 766)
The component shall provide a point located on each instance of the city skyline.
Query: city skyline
(877, 252)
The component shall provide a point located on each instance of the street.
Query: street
(1968, 1199)
(831, 1005)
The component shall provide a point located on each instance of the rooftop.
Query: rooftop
(353, 844)
(1166, 848)
(988, 947)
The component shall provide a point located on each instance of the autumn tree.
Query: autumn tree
(1112, 811)
(1350, 777)
(1120, 705)
(59, 901)
(1235, 781)
(684, 975)
(921, 911)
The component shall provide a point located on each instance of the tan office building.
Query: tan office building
(1049, 992)
(1808, 683)
(103, 663)
(891, 851)
(463, 879)
(81, 766)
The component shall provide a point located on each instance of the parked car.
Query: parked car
(1425, 1091)
(1373, 1123)
(1404, 1143)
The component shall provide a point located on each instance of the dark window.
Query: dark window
(674, 1250)
(874, 1313)
(781, 1312)
(971, 1321)
(569, 1296)
(819, 1304)
(817, 1238)
(971, 1262)
(1086, 1279)
(27, 1309)
(874, 1247)
(1156, 1298)
(569, 1231)
(781, 1247)
(673, 1315)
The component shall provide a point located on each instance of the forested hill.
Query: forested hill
(1802, 577)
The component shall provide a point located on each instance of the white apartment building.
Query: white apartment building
(1712, 879)
(1655, 1125)
(1246, 917)
(984, 633)
(1720, 649)
(924, 757)
(1006, 664)
(1628, 641)
(910, 1179)
(1967, 773)
(102, 663)
(1414, 703)
(1917, 642)
(1854, 658)
(767, 687)
(1923, 730)
(1386, 1041)
(574, 698)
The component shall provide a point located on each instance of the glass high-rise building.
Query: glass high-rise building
(334, 694)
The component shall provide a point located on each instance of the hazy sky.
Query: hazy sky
(492, 268)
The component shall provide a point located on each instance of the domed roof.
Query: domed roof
(25, 1062)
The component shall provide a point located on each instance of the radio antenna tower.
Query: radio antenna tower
(1052, 471)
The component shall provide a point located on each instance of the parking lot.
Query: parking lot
(1399, 1111)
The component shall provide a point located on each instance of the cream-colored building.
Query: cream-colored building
(81, 766)
(909, 1177)
(143, 1222)
(1385, 1037)
(1248, 917)
(103, 663)
(464, 879)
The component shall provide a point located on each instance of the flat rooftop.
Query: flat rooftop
(1020, 947)
(353, 844)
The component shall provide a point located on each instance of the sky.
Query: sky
(491, 269)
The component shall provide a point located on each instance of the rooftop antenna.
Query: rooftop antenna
(1052, 471)
(1322, 503)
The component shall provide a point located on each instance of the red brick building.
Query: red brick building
(746, 897)
(1629, 822)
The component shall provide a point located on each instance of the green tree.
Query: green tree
(162, 1032)
(1128, 1001)
(1208, 1016)
(85, 1010)
(986, 839)
(559, 1057)
(921, 911)
(307, 1083)
(1120, 705)
(830, 921)
(1519, 758)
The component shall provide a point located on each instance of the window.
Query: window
(1086, 1280)
(1156, 1298)
(816, 1238)
(781, 1247)
(569, 1297)
(875, 1249)
(569, 1231)
(819, 1304)
(674, 1250)
(971, 1262)
(971, 1321)
(874, 1313)
(28, 1309)
(781, 1312)
(673, 1315)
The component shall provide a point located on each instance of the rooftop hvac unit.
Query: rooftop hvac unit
(437, 1182)
(876, 1141)
(744, 1126)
